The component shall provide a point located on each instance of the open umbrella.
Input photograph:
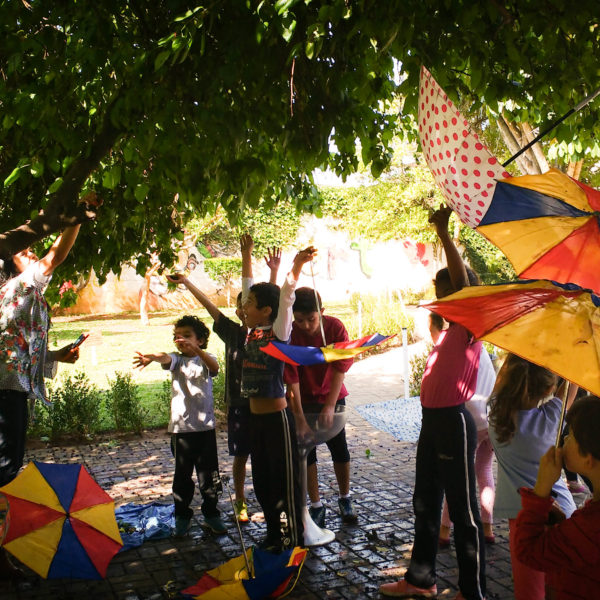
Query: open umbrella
(273, 575)
(310, 355)
(62, 523)
(553, 325)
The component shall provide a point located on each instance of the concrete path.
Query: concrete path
(376, 550)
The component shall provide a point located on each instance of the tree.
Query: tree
(170, 109)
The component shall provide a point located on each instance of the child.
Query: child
(318, 389)
(274, 448)
(238, 408)
(192, 423)
(446, 448)
(568, 552)
(521, 429)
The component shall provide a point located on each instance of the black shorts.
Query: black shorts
(337, 445)
(238, 430)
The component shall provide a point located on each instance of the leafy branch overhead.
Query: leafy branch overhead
(170, 110)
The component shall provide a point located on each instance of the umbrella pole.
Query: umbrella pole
(563, 411)
(225, 480)
(318, 304)
(539, 136)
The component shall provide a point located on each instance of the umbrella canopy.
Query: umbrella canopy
(462, 166)
(310, 355)
(547, 225)
(555, 326)
(62, 523)
(272, 576)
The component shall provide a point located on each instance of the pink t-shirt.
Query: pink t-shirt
(450, 376)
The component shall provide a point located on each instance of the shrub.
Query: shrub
(384, 314)
(75, 408)
(417, 368)
(124, 403)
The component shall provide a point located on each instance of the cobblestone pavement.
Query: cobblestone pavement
(376, 550)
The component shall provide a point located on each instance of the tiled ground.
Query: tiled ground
(353, 566)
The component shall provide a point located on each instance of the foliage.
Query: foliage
(223, 270)
(123, 402)
(75, 410)
(384, 314)
(486, 260)
(417, 368)
(171, 109)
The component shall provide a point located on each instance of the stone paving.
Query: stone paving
(376, 550)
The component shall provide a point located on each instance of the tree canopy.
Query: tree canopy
(169, 109)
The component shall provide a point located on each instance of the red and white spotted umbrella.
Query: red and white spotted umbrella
(462, 166)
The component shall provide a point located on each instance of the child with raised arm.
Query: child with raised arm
(274, 448)
(238, 407)
(446, 449)
(192, 422)
(569, 551)
(319, 389)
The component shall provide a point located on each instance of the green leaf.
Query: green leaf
(37, 168)
(161, 59)
(112, 177)
(16, 173)
(55, 185)
(141, 191)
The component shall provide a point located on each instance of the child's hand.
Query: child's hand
(549, 470)
(305, 255)
(440, 219)
(186, 346)
(273, 258)
(141, 361)
(246, 244)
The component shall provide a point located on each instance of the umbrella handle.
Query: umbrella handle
(563, 411)
(318, 304)
(225, 480)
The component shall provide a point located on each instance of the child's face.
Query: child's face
(253, 315)
(24, 258)
(572, 457)
(183, 336)
(307, 322)
(239, 311)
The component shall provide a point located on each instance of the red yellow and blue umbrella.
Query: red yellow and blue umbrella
(553, 325)
(311, 355)
(62, 523)
(273, 575)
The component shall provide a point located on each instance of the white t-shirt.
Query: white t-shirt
(192, 406)
(486, 379)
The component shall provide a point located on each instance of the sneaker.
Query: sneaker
(182, 526)
(241, 511)
(403, 589)
(215, 524)
(318, 515)
(347, 511)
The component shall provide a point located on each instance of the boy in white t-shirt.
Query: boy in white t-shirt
(192, 422)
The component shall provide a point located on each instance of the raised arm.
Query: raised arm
(143, 360)
(273, 260)
(213, 311)
(454, 261)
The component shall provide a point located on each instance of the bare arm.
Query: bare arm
(213, 311)
(273, 260)
(210, 361)
(143, 360)
(247, 245)
(59, 250)
(456, 266)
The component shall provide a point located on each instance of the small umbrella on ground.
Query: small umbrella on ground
(273, 576)
(310, 355)
(553, 325)
(62, 523)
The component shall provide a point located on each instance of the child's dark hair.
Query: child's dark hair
(444, 275)
(520, 386)
(436, 320)
(267, 294)
(584, 423)
(7, 270)
(306, 302)
(200, 329)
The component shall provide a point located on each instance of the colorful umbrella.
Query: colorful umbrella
(273, 575)
(462, 166)
(310, 355)
(62, 524)
(555, 326)
(547, 225)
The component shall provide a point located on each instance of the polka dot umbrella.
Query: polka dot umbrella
(547, 225)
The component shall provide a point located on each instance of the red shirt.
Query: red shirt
(315, 381)
(450, 376)
(569, 552)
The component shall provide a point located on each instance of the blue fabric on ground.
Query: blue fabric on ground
(400, 417)
(141, 522)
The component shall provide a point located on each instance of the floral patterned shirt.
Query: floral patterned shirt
(24, 324)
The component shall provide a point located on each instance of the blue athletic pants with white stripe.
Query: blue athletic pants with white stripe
(276, 476)
(446, 462)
